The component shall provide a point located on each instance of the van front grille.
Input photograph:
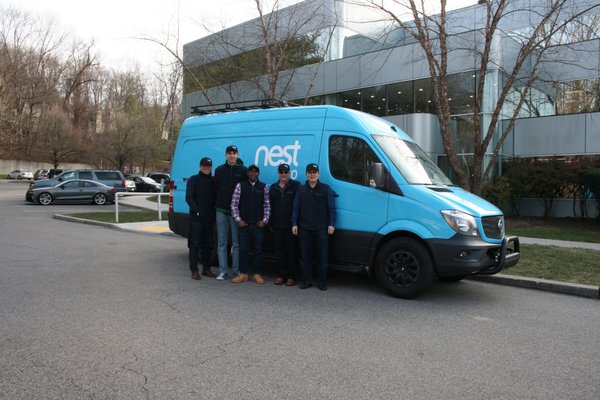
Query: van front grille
(493, 227)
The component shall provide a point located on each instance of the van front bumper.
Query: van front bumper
(463, 255)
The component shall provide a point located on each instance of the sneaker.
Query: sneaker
(240, 278)
(221, 277)
(258, 279)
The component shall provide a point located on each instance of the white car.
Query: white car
(20, 174)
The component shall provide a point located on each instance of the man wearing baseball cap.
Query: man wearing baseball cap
(313, 220)
(282, 194)
(227, 176)
(200, 197)
(250, 208)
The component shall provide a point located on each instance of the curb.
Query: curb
(573, 289)
(83, 221)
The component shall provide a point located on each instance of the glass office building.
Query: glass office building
(378, 68)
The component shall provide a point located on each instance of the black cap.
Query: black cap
(206, 162)
(312, 167)
(231, 148)
(253, 166)
(283, 168)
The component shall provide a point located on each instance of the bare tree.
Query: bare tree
(430, 30)
(263, 54)
(58, 142)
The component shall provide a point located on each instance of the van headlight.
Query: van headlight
(461, 222)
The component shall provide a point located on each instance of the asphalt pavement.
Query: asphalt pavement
(162, 228)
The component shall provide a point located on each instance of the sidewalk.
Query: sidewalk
(162, 228)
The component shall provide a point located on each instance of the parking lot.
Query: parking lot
(94, 313)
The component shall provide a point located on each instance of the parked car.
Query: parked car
(130, 185)
(40, 174)
(108, 177)
(160, 177)
(145, 184)
(55, 172)
(75, 190)
(20, 174)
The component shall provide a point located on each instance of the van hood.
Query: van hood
(455, 198)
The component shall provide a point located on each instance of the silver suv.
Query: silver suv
(112, 178)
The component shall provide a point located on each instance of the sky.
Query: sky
(114, 25)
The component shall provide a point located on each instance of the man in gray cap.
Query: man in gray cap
(200, 197)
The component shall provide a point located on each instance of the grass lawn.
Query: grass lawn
(124, 216)
(555, 228)
(558, 264)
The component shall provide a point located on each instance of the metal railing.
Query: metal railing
(146, 194)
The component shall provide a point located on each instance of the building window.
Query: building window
(461, 92)
(350, 159)
(424, 96)
(374, 101)
(400, 98)
(350, 99)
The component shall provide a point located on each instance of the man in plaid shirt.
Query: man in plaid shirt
(251, 208)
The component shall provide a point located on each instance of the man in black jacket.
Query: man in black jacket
(250, 208)
(200, 197)
(282, 194)
(313, 219)
(227, 176)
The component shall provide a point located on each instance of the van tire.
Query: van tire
(404, 267)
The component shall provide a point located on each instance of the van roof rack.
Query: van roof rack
(239, 106)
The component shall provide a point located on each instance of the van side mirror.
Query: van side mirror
(377, 176)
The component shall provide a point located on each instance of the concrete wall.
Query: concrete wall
(7, 166)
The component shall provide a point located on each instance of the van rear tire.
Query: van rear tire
(404, 268)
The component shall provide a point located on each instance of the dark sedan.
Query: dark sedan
(144, 184)
(76, 190)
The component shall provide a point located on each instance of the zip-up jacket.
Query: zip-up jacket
(226, 177)
(200, 196)
(314, 208)
(250, 202)
(282, 203)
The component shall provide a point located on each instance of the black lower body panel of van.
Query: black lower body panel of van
(179, 223)
(463, 255)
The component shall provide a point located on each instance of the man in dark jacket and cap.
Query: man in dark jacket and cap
(282, 194)
(313, 219)
(200, 197)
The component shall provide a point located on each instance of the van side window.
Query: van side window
(85, 175)
(350, 159)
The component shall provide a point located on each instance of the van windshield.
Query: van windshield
(411, 161)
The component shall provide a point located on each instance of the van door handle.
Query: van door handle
(336, 195)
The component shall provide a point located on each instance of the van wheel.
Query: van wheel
(99, 199)
(404, 268)
(45, 199)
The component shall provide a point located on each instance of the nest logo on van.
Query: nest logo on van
(276, 155)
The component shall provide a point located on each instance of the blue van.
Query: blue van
(399, 217)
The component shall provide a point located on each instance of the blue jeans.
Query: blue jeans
(314, 243)
(251, 239)
(225, 223)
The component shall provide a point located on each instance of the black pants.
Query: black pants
(286, 251)
(200, 237)
(251, 239)
(314, 244)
